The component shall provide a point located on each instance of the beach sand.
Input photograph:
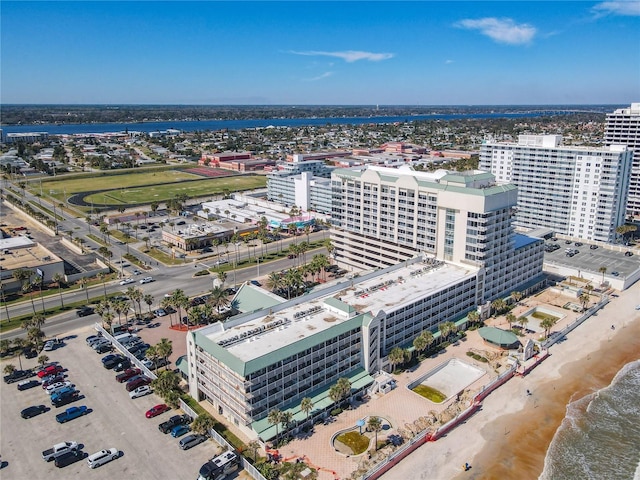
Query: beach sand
(509, 437)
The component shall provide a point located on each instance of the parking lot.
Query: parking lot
(114, 421)
(591, 260)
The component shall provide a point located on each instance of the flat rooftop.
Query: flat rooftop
(28, 257)
(387, 291)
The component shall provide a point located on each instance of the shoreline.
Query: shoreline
(518, 442)
(511, 433)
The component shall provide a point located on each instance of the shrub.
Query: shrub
(336, 411)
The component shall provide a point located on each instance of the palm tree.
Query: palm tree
(274, 417)
(222, 276)
(83, 284)
(516, 296)
(35, 335)
(306, 405)
(344, 387)
(119, 307)
(152, 354)
(58, 278)
(473, 316)
(510, 318)
(420, 343)
(203, 424)
(5, 346)
(547, 324)
(164, 348)
(275, 281)
(584, 299)
(148, 299)
(253, 445)
(42, 359)
(179, 300)
(9, 369)
(136, 295)
(20, 343)
(218, 298)
(103, 277)
(194, 315)
(396, 357)
(498, 305)
(523, 321)
(285, 419)
(602, 270)
(375, 424)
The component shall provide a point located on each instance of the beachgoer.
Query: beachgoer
(613, 327)
(528, 392)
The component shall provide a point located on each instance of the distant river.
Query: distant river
(192, 126)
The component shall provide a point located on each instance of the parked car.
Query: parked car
(136, 272)
(71, 413)
(65, 399)
(140, 392)
(68, 458)
(157, 410)
(104, 348)
(122, 366)
(191, 441)
(56, 387)
(51, 379)
(92, 338)
(62, 392)
(110, 361)
(180, 430)
(84, 311)
(103, 456)
(159, 362)
(127, 374)
(127, 281)
(628, 254)
(166, 427)
(33, 411)
(52, 344)
(27, 384)
(30, 353)
(50, 370)
(17, 375)
(136, 382)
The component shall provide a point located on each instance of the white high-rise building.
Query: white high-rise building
(580, 192)
(623, 127)
(383, 216)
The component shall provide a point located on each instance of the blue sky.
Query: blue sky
(346, 53)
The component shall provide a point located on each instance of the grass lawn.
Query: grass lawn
(544, 316)
(436, 396)
(160, 193)
(107, 180)
(356, 442)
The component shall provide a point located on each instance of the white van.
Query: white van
(102, 457)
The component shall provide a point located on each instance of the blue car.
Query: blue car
(179, 430)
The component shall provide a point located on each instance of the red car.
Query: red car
(127, 374)
(157, 410)
(50, 370)
(46, 381)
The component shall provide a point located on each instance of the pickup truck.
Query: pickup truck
(59, 449)
(71, 413)
(165, 427)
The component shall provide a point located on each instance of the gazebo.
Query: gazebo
(498, 337)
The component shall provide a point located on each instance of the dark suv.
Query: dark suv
(84, 311)
(136, 382)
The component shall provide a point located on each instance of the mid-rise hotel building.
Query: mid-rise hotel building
(453, 250)
(580, 192)
(383, 216)
(623, 127)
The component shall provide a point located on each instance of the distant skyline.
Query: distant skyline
(320, 53)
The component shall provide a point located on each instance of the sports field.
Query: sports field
(161, 193)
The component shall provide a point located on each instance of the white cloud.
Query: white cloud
(502, 30)
(448, 62)
(628, 8)
(349, 56)
(320, 77)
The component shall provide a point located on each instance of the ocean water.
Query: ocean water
(599, 437)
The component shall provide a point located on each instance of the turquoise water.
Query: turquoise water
(599, 437)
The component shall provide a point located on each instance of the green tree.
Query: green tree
(375, 424)
(165, 348)
(165, 382)
(274, 417)
(148, 299)
(510, 318)
(602, 270)
(218, 298)
(59, 279)
(523, 321)
(473, 316)
(9, 369)
(396, 357)
(42, 360)
(254, 446)
(19, 343)
(203, 424)
(547, 324)
(306, 405)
